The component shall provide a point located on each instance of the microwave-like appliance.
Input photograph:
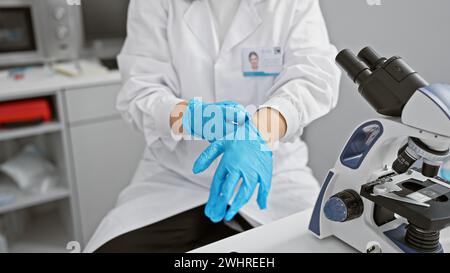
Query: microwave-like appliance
(38, 31)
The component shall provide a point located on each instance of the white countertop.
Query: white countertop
(288, 235)
(42, 82)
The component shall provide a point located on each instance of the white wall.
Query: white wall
(417, 30)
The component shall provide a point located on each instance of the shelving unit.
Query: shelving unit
(85, 143)
(47, 235)
(45, 128)
(44, 232)
(25, 200)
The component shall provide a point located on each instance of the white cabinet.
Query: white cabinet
(105, 156)
(95, 102)
(105, 152)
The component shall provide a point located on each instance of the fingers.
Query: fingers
(235, 114)
(208, 156)
(242, 198)
(263, 192)
(187, 121)
(229, 187)
(241, 116)
(214, 195)
(224, 196)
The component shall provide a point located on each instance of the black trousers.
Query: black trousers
(180, 233)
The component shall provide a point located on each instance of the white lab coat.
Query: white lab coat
(172, 53)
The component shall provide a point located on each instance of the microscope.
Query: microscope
(384, 193)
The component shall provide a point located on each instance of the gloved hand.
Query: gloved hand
(212, 121)
(246, 157)
(445, 170)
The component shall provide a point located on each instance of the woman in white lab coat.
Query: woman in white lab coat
(180, 49)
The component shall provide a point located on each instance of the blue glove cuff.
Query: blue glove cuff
(201, 119)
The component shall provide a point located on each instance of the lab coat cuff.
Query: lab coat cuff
(290, 114)
(163, 109)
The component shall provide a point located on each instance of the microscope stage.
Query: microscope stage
(432, 192)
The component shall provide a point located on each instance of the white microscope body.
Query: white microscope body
(374, 199)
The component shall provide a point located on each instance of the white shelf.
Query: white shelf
(45, 128)
(45, 234)
(29, 88)
(26, 200)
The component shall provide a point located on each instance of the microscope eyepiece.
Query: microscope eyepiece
(371, 58)
(387, 84)
(355, 69)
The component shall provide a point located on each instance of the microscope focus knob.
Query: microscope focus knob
(344, 206)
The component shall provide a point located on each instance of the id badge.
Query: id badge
(262, 62)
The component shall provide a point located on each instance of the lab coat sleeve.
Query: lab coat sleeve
(150, 84)
(308, 87)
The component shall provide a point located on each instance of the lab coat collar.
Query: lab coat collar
(245, 23)
(200, 21)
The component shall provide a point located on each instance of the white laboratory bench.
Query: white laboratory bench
(288, 235)
(95, 151)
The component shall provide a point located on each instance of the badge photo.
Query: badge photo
(262, 62)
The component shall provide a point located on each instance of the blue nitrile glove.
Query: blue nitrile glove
(246, 157)
(212, 121)
(445, 170)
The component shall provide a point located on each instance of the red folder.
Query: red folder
(25, 112)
